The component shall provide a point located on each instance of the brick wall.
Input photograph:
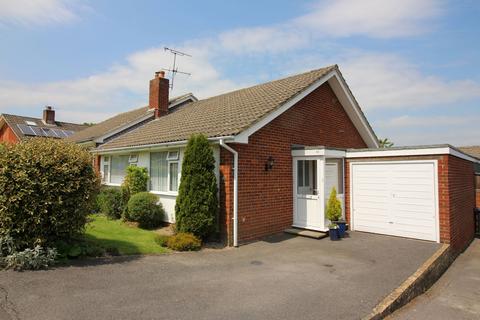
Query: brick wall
(478, 198)
(461, 185)
(7, 135)
(266, 198)
(455, 191)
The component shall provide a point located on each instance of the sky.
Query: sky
(413, 65)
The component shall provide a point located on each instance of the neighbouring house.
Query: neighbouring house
(14, 128)
(280, 148)
(475, 152)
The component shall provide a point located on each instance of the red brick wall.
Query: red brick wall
(478, 198)
(456, 196)
(7, 135)
(266, 198)
(461, 184)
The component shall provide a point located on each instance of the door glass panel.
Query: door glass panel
(307, 177)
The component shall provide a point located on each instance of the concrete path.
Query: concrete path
(456, 295)
(283, 277)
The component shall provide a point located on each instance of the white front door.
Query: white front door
(308, 212)
(397, 198)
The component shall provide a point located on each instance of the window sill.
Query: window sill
(111, 184)
(165, 193)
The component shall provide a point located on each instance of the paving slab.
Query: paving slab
(456, 295)
(282, 277)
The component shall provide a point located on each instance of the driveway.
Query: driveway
(455, 296)
(282, 277)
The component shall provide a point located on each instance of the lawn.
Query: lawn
(127, 239)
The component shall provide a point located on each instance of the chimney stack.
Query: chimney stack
(49, 115)
(159, 88)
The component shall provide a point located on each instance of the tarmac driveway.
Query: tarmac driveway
(282, 277)
(455, 296)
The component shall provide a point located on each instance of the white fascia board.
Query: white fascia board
(189, 97)
(243, 136)
(149, 147)
(337, 83)
(410, 152)
(328, 153)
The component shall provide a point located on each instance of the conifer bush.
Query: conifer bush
(334, 207)
(197, 204)
(48, 188)
(135, 181)
(144, 208)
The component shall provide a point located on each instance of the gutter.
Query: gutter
(235, 191)
(151, 146)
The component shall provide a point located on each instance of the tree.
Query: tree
(385, 143)
(197, 203)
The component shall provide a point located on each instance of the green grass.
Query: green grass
(127, 239)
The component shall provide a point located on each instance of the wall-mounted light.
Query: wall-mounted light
(269, 163)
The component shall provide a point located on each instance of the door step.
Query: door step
(307, 233)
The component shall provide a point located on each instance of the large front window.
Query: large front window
(118, 167)
(164, 171)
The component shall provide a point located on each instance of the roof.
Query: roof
(122, 120)
(13, 121)
(471, 150)
(220, 116)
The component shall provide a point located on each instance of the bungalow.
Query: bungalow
(280, 148)
(14, 129)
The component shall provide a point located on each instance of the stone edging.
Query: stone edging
(416, 284)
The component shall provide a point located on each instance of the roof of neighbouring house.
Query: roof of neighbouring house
(471, 150)
(122, 120)
(21, 126)
(224, 115)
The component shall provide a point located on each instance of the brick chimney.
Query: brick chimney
(158, 99)
(49, 115)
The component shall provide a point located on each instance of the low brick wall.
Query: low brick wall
(416, 284)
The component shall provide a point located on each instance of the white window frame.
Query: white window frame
(106, 161)
(175, 159)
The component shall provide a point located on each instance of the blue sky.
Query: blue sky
(413, 65)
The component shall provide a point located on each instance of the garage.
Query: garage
(398, 198)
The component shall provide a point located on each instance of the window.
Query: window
(307, 177)
(106, 169)
(118, 167)
(164, 171)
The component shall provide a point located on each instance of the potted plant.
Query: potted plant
(333, 231)
(334, 214)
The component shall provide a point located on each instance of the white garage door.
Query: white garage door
(397, 198)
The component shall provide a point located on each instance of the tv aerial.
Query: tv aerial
(174, 70)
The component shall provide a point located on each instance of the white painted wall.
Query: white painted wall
(168, 199)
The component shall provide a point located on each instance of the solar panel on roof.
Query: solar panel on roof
(68, 132)
(49, 133)
(38, 131)
(26, 130)
(60, 133)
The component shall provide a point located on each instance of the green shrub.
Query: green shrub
(78, 249)
(184, 242)
(31, 259)
(7, 246)
(334, 207)
(143, 208)
(161, 239)
(110, 202)
(135, 181)
(197, 204)
(48, 188)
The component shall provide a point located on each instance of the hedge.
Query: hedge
(48, 188)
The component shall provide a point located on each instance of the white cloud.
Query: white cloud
(388, 81)
(36, 12)
(120, 88)
(373, 18)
